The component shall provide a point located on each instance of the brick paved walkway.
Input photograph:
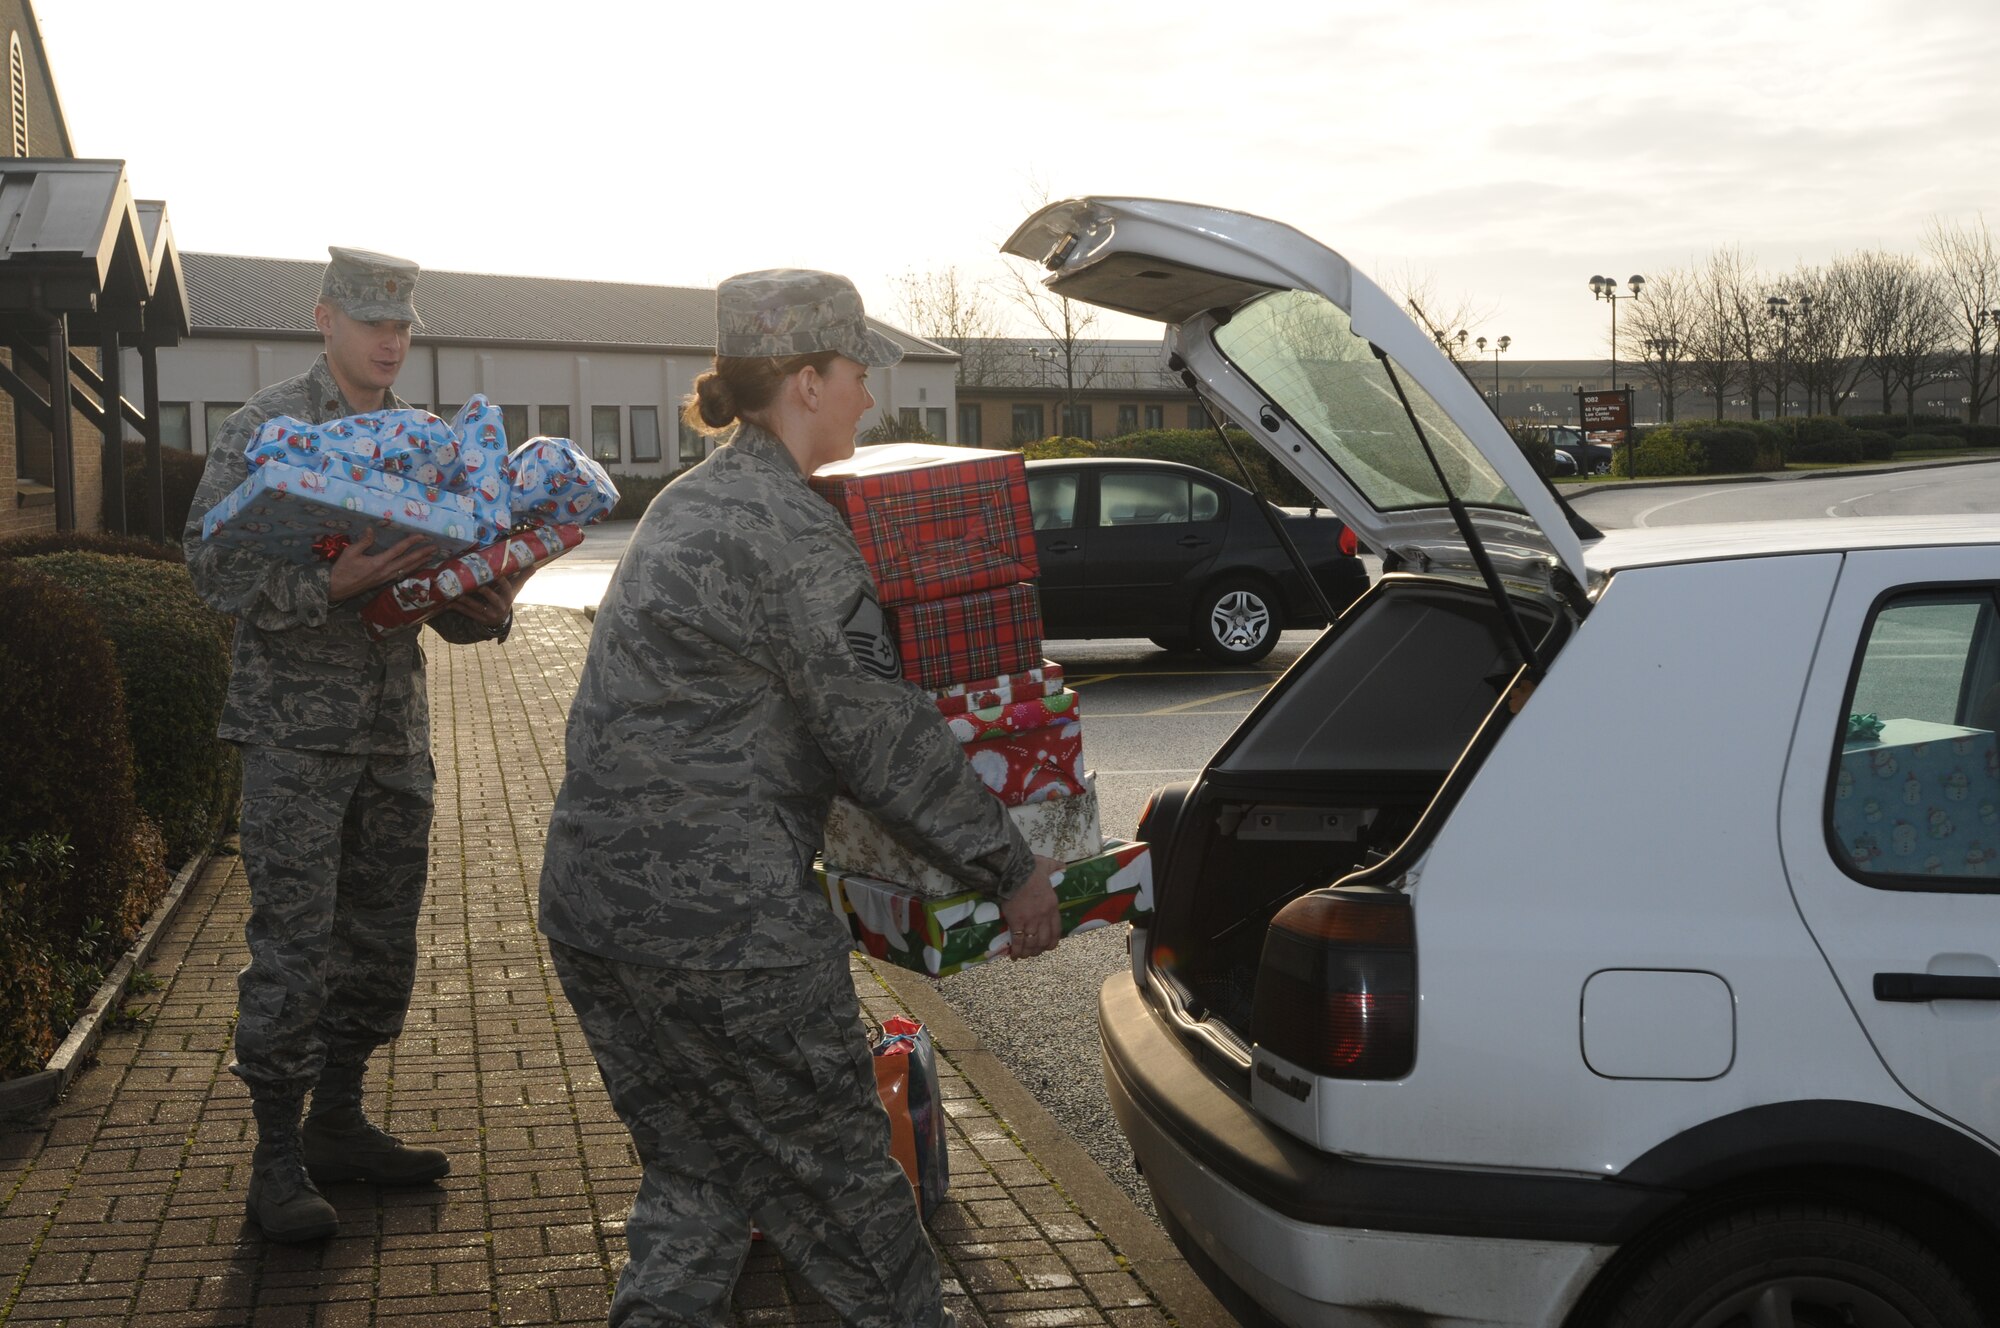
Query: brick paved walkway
(125, 1205)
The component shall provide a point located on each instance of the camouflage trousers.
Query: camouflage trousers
(750, 1098)
(336, 848)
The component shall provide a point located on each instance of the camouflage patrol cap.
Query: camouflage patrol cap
(795, 311)
(370, 286)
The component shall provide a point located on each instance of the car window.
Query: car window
(1916, 791)
(1132, 498)
(1301, 350)
(1052, 501)
(1207, 503)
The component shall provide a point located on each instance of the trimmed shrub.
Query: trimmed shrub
(1661, 452)
(173, 660)
(32, 997)
(180, 475)
(1732, 449)
(87, 541)
(1928, 442)
(65, 757)
(1895, 423)
(636, 494)
(1876, 445)
(1058, 449)
(1981, 435)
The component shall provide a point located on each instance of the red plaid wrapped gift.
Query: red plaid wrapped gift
(935, 521)
(1028, 767)
(999, 721)
(1045, 679)
(415, 598)
(968, 636)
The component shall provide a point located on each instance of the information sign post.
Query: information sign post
(1609, 412)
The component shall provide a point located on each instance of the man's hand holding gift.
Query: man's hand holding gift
(491, 605)
(359, 568)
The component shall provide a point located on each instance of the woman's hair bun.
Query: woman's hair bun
(715, 400)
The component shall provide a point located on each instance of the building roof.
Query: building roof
(1037, 364)
(74, 241)
(233, 296)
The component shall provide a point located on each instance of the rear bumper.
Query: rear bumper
(1318, 1239)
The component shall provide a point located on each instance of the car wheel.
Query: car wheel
(1796, 1265)
(1237, 622)
(1175, 643)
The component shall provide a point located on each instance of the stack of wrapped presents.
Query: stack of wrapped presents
(948, 534)
(315, 488)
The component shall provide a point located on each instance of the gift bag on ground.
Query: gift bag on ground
(906, 1076)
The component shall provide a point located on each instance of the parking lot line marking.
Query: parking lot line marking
(1089, 678)
(1146, 772)
(1210, 700)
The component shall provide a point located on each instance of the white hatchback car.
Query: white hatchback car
(1397, 1049)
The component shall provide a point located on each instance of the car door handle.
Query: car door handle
(1061, 546)
(1935, 987)
(1191, 541)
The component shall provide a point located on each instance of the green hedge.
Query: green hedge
(173, 661)
(80, 865)
(1193, 447)
(180, 474)
(89, 541)
(636, 494)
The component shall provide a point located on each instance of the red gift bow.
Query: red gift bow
(330, 547)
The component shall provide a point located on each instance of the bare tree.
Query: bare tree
(1075, 359)
(1714, 356)
(954, 310)
(1904, 324)
(1664, 327)
(1968, 269)
(1826, 332)
(1447, 318)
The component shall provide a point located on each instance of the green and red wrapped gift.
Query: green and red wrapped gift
(935, 521)
(941, 936)
(1044, 679)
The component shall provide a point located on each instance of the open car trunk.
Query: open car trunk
(1330, 775)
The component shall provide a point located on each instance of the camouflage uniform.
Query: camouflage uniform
(740, 672)
(337, 780)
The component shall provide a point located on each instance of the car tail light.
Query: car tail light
(1337, 989)
(1349, 543)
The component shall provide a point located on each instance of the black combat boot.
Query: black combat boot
(283, 1201)
(341, 1143)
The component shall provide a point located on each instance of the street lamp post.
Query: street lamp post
(1604, 288)
(1498, 347)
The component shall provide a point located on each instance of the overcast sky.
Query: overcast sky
(1509, 151)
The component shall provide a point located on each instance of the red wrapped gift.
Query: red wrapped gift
(935, 521)
(1036, 712)
(968, 636)
(1031, 766)
(427, 594)
(1045, 679)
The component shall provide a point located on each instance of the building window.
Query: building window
(1197, 418)
(1156, 417)
(1128, 419)
(934, 417)
(17, 83)
(555, 421)
(968, 424)
(174, 425)
(213, 415)
(515, 420)
(1028, 426)
(645, 433)
(606, 441)
(1076, 422)
(909, 418)
(693, 443)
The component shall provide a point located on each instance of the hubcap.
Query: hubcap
(1803, 1302)
(1240, 620)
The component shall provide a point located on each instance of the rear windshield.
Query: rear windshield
(1300, 349)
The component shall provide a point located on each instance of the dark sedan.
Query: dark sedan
(1173, 553)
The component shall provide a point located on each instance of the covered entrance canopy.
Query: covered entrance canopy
(82, 261)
